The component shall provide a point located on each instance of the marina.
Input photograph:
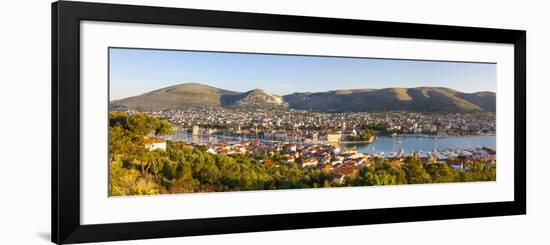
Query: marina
(387, 146)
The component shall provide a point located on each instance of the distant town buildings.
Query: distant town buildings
(196, 130)
(334, 136)
(301, 125)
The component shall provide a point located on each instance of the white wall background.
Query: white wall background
(25, 121)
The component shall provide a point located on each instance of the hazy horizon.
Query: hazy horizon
(137, 71)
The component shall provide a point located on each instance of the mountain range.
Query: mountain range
(420, 99)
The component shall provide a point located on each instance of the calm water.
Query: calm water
(387, 144)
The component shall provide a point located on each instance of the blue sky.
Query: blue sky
(137, 71)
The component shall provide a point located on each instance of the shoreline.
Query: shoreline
(435, 136)
(346, 144)
(352, 142)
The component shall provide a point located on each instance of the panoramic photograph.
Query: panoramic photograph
(203, 121)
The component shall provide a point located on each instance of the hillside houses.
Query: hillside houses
(304, 162)
(339, 163)
(152, 143)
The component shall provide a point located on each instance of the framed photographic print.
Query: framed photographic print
(177, 122)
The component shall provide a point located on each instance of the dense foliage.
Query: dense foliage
(363, 135)
(136, 170)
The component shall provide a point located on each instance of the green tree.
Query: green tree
(163, 128)
(479, 171)
(416, 174)
(381, 173)
(441, 173)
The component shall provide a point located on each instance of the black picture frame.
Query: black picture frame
(66, 17)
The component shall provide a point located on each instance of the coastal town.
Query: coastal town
(340, 163)
(307, 139)
(222, 121)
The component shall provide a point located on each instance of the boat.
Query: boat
(397, 153)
